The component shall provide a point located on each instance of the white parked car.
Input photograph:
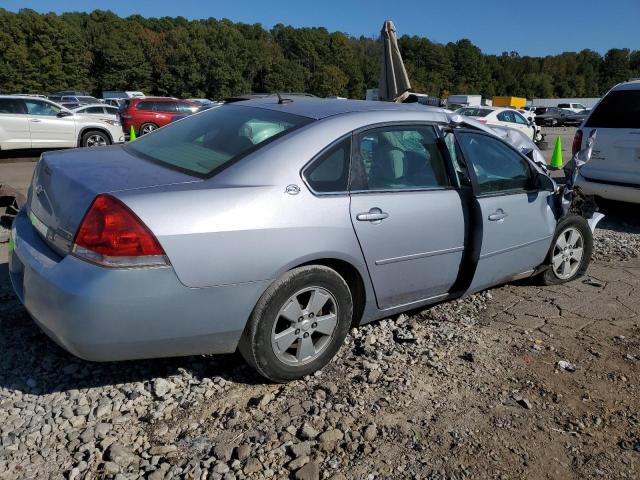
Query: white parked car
(503, 117)
(572, 107)
(99, 111)
(32, 122)
(614, 169)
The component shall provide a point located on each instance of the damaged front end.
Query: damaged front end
(570, 200)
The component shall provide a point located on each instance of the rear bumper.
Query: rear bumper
(610, 191)
(104, 314)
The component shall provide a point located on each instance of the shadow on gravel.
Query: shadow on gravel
(619, 216)
(33, 364)
(10, 156)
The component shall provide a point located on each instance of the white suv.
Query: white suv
(572, 107)
(32, 122)
(614, 169)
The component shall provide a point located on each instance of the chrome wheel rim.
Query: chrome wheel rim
(304, 326)
(567, 253)
(148, 129)
(96, 141)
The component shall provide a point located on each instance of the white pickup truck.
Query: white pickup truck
(34, 122)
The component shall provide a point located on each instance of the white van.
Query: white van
(614, 169)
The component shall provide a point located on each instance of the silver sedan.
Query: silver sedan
(273, 225)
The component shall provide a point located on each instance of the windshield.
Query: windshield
(204, 144)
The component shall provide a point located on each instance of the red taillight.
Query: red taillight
(481, 120)
(110, 234)
(577, 142)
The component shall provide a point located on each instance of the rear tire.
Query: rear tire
(570, 252)
(299, 324)
(95, 138)
(147, 128)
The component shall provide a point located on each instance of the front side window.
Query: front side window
(40, 108)
(519, 119)
(185, 107)
(329, 173)
(204, 144)
(398, 158)
(498, 168)
(170, 107)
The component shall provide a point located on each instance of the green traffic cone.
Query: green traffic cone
(556, 158)
(132, 134)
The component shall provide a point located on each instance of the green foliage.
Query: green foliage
(217, 58)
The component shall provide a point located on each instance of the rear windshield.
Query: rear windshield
(618, 109)
(474, 112)
(204, 144)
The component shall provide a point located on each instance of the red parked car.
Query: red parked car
(147, 114)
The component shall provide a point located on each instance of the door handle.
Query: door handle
(35, 120)
(373, 215)
(498, 215)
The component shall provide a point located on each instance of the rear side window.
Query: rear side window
(171, 107)
(398, 158)
(563, 105)
(203, 145)
(474, 112)
(93, 110)
(618, 109)
(12, 105)
(145, 106)
(329, 173)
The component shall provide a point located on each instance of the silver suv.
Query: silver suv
(32, 122)
(614, 170)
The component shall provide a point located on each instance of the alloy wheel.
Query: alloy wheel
(567, 253)
(96, 141)
(147, 129)
(304, 326)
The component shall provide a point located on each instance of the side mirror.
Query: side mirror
(545, 183)
(63, 113)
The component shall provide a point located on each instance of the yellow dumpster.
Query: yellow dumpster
(516, 102)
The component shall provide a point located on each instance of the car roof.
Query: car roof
(24, 97)
(633, 85)
(318, 108)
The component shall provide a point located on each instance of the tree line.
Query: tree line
(43, 53)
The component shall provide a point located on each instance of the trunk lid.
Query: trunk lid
(65, 183)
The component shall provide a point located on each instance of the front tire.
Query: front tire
(570, 252)
(299, 324)
(95, 138)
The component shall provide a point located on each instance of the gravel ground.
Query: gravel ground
(521, 381)
(465, 389)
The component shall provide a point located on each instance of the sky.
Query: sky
(533, 27)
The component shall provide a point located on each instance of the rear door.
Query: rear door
(516, 221)
(46, 128)
(14, 124)
(407, 217)
(616, 153)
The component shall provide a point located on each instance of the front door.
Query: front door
(407, 217)
(517, 223)
(46, 128)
